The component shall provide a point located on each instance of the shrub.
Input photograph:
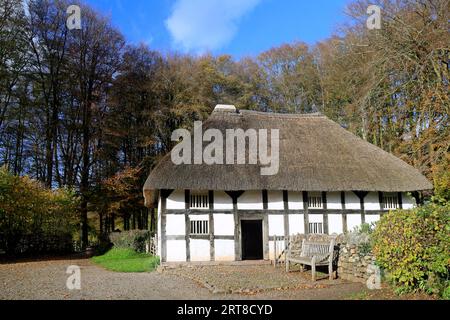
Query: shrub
(103, 245)
(414, 247)
(133, 239)
(360, 236)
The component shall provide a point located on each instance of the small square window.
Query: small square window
(390, 201)
(315, 201)
(316, 228)
(199, 201)
(199, 227)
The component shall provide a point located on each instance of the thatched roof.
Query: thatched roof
(316, 154)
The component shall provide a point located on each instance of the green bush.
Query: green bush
(34, 219)
(133, 239)
(413, 246)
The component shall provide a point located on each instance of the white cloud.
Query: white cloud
(201, 25)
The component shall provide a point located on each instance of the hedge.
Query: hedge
(413, 246)
(133, 239)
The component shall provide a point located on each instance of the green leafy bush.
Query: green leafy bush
(133, 239)
(414, 247)
(34, 219)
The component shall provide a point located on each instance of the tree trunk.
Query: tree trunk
(84, 186)
(113, 225)
(100, 216)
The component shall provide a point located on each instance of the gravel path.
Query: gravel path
(47, 280)
(251, 278)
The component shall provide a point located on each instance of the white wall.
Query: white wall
(222, 201)
(276, 225)
(275, 200)
(159, 226)
(334, 200)
(200, 250)
(317, 218)
(335, 224)
(176, 200)
(353, 220)
(176, 250)
(352, 201)
(296, 223)
(295, 200)
(372, 201)
(175, 225)
(223, 224)
(224, 250)
(250, 200)
(199, 217)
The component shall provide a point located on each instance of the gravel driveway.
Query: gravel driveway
(47, 280)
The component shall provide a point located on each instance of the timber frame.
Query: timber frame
(261, 214)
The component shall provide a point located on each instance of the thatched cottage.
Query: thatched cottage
(329, 181)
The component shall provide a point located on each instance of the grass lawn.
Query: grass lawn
(127, 260)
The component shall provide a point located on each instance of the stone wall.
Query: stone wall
(353, 265)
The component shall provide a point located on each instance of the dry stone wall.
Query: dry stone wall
(354, 265)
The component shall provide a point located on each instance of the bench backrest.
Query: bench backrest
(319, 249)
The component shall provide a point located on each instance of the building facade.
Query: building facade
(216, 225)
(329, 181)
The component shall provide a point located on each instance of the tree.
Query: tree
(95, 56)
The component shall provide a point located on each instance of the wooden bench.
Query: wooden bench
(313, 254)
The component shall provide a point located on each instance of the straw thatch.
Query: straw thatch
(316, 154)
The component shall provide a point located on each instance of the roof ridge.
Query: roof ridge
(282, 115)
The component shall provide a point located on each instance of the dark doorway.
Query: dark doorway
(252, 240)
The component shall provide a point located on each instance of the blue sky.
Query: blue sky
(236, 27)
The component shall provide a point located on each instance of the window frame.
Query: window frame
(394, 204)
(199, 227)
(199, 197)
(318, 226)
(315, 195)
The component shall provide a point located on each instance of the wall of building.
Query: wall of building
(252, 200)
(222, 245)
(158, 224)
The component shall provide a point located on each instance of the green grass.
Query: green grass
(126, 260)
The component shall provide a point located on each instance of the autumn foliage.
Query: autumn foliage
(34, 219)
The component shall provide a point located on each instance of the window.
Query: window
(199, 227)
(315, 201)
(199, 201)
(316, 227)
(390, 201)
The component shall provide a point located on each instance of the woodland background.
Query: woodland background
(83, 110)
